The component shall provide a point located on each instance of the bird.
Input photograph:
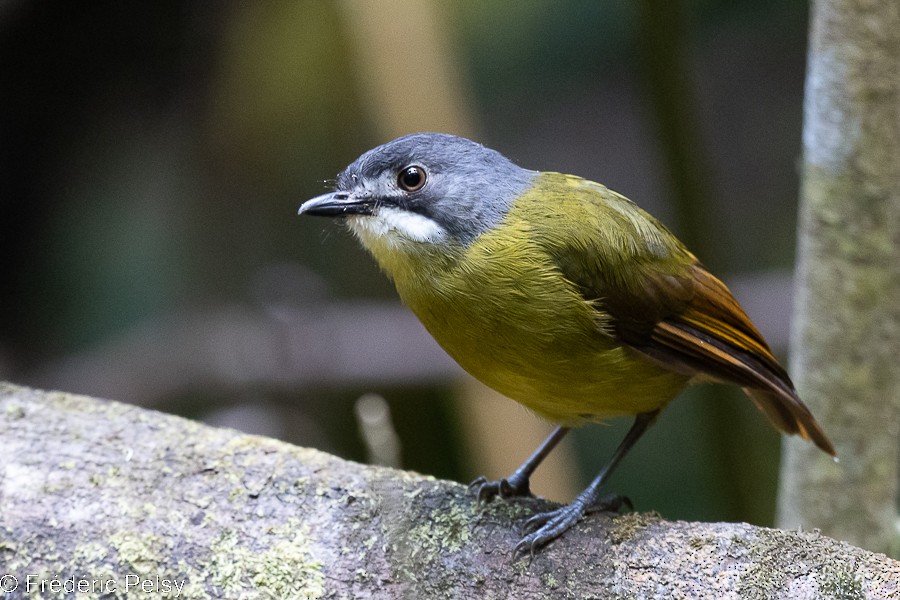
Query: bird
(558, 293)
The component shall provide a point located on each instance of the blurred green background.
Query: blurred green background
(154, 156)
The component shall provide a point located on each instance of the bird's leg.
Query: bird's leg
(517, 483)
(546, 527)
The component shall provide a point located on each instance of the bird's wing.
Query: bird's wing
(663, 303)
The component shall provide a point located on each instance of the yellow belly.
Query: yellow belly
(527, 333)
(569, 381)
(576, 389)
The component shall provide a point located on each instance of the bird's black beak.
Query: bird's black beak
(337, 204)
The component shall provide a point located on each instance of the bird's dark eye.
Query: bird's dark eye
(411, 178)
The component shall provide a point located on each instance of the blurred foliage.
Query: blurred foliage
(153, 155)
(565, 43)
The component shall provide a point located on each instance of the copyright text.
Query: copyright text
(31, 584)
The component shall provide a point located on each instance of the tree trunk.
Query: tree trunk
(104, 498)
(846, 337)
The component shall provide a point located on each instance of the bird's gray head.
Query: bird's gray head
(425, 187)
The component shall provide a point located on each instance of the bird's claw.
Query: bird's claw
(477, 483)
(545, 527)
(537, 521)
(505, 488)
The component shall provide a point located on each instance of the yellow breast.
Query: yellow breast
(502, 309)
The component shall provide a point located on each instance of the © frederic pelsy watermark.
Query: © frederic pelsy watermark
(123, 584)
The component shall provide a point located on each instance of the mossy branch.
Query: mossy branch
(111, 497)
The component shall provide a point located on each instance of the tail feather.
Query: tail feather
(789, 414)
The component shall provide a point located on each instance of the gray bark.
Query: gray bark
(106, 496)
(846, 336)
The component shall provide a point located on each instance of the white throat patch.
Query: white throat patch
(397, 225)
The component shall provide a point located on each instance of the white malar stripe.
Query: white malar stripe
(391, 223)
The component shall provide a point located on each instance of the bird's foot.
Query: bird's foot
(543, 528)
(610, 503)
(507, 487)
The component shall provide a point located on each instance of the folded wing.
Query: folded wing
(657, 298)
